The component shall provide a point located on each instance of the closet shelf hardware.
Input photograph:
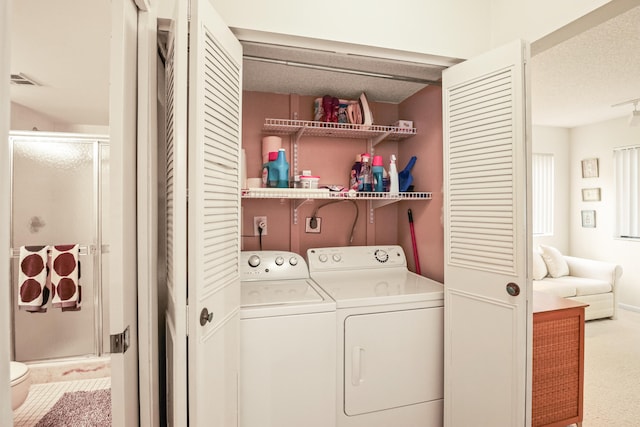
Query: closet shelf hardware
(376, 133)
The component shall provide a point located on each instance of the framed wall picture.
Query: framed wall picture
(589, 219)
(590, 168)
(591, 194)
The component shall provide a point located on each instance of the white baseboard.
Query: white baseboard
(629, 307)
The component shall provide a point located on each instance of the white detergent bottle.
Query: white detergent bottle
(394, 185)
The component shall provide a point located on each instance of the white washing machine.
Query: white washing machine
(288, 344)
(390, 328)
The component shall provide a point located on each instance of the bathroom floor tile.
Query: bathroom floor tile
(42, 397)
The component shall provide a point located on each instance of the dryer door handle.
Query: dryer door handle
(357, 365)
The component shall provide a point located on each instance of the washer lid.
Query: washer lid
(279, 292)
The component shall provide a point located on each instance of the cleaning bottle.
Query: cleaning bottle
(282, 167)
(355, 173)
(269, 172)
(378, 173)
(394, 186)
(365, 179)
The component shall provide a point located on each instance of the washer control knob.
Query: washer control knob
(293, 260)
(337, 257)
(279, 260)
(254, 260)
(323, 258)
(381, 256)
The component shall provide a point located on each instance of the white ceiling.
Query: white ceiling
(63, 45)
(573, 83)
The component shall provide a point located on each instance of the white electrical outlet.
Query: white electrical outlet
(259, 221)
(313, 226)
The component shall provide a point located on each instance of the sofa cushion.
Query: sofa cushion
(539, 267)
(555, 262)
(583, 285)
(560, 289)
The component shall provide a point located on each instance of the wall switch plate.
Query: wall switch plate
(257, 221)
(312, 227)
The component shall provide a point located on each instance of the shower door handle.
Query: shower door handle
(205, 317)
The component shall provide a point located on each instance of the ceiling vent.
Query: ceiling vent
(22, 80)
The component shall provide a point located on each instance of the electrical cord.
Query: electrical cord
(260, 235)
(313, 222)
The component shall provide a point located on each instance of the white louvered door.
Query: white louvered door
(487, 229)
(203, 73)
(215, 59)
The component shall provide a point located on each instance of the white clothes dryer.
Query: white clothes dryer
(390, 330)
(287, 344)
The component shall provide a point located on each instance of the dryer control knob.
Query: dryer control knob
(323, 258)
(381, 255)
(337, 257)
(293, 260)
(279, 260)
(254, 260)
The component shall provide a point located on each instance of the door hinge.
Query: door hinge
(120, 342)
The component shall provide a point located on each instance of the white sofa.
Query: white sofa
(588, 281)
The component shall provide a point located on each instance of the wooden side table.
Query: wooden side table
(558, 361)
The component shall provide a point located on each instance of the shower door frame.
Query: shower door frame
(96, 249)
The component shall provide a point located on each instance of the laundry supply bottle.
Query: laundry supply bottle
(269, 171)
(365, 179)
(355, 173)
(377, 172)
(394, 185)
(281, 167)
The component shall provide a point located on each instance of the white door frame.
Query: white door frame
(5, 194)
(147, 202)
(122, 237)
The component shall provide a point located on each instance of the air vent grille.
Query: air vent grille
(21, 79)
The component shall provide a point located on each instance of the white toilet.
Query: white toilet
(20, 383)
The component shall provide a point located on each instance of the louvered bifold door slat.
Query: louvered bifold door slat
(218, 191)
(176, 217)
(169, 170)
(481, 168)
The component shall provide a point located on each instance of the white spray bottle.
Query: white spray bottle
(394, 185)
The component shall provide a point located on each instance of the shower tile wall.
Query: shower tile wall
(54, 203)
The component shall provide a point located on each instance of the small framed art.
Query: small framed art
(591, 194)
(590, 168)
(589, 219)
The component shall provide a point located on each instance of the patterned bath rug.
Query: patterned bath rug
(80, 409)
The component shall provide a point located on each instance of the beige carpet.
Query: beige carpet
(612, 371)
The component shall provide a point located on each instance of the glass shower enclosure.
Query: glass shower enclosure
(59, 193)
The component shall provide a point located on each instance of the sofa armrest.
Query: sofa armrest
(582, 267)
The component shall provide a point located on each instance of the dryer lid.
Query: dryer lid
(384, 286)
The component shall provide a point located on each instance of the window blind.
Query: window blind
(627, 181)
(542, 193)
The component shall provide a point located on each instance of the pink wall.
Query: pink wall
(331, 159)
(425, 109)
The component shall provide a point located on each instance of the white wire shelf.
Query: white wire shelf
(322, 193)
(336, 130)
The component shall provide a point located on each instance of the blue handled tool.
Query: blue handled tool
(405, 179)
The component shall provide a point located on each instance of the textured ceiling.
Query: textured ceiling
(577, 81)
(306, 72)
(573, 83)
